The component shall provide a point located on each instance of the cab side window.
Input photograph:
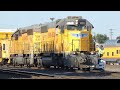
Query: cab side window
(3, 46)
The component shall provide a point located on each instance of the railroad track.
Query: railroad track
(28, 73)
(58, 74)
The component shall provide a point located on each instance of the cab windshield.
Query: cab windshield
(73, 27)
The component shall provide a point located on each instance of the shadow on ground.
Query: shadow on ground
(5, 75)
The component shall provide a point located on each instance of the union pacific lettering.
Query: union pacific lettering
(52, 34)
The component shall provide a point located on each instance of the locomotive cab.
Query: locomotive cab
(79, 36)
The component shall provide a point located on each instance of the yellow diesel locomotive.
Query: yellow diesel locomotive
(4, 54)
(62, 43)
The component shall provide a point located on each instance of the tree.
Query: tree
(101, 38)
(118, 37)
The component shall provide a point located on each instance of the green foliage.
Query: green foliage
(118, 37)
(100, 38)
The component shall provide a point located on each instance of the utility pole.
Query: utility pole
(111, 33)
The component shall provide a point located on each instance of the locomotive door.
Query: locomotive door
(84, 45)
(76, 45)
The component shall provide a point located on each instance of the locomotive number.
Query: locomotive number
(52, 34)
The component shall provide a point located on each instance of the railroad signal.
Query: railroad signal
(111, 33)
(52, 19)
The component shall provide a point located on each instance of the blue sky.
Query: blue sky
(101, 20)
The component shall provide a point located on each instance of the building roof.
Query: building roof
(112, 43)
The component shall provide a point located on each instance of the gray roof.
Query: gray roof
(112, 43)
(31, 27)
(59, 22)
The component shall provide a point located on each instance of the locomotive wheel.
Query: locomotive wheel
(71, 68)
(35, 65)
(39, 66)
(62, 67)
(21, 65)
(39, 63)
(47, 67)
(5, 61)
(58, 67)
(11, 61)
(86, 69)
(55, 67)
(14, 64)
(78, 68)
(66, 67)
(29, 66)
(8, 65)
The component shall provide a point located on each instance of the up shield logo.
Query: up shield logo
(80, 35)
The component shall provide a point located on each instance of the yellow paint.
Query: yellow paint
(0, 59)
(111, 50)
(4, 34)
(65, 39)
(49, 41)
(6, 50)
